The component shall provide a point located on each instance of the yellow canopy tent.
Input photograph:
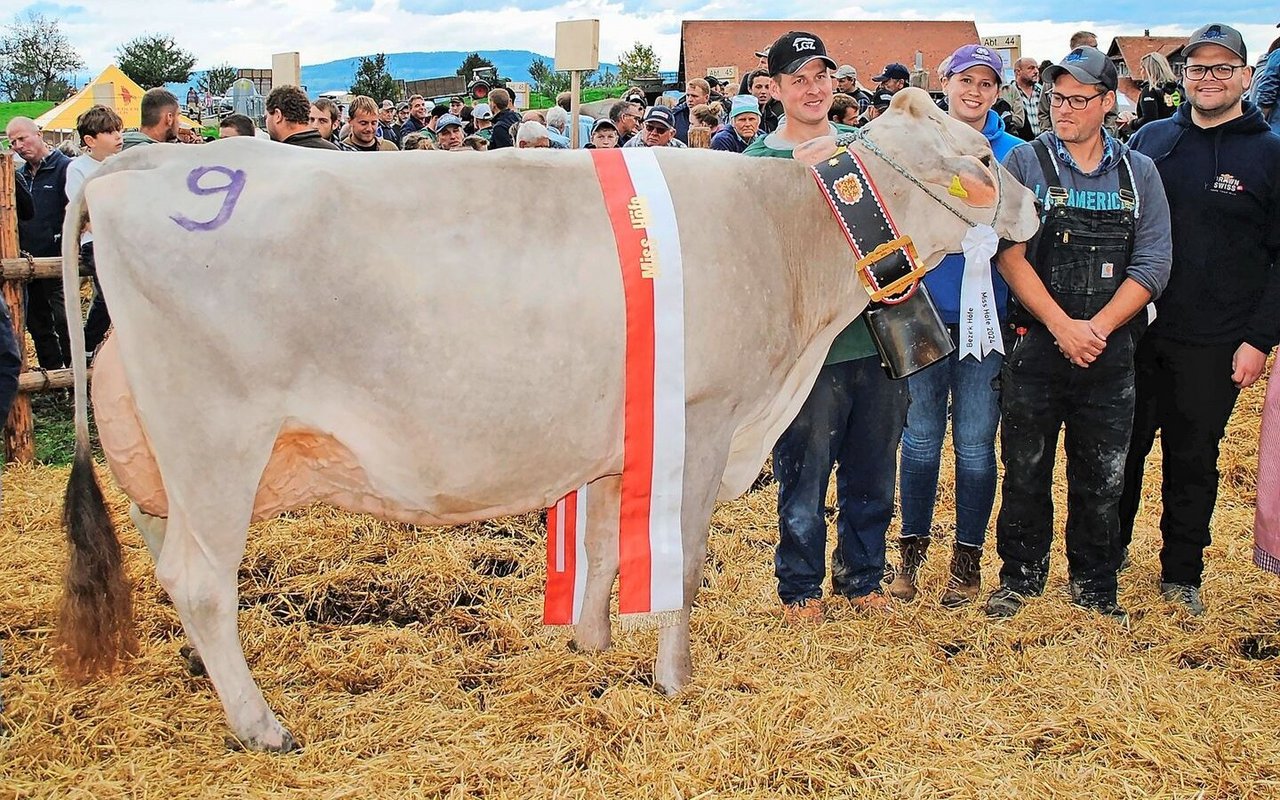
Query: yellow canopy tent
(111, 88)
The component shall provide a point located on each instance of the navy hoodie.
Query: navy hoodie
(1223, 185)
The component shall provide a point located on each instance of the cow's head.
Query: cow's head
(955, 164)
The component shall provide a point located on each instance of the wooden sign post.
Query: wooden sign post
(577, 51)
(18, 442)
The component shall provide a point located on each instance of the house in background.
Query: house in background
(711, 46)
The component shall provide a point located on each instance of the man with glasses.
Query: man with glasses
(659, 130)
(1220, 315)
(625, 116)
(1080, 287)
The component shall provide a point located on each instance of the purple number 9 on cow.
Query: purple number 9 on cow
(231, 391)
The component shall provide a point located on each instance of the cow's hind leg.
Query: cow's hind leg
(592, 631)
(704, 466)
(152, 530)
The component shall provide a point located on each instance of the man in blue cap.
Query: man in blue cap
(743, 127)
(1080, 288)
(1220, 315)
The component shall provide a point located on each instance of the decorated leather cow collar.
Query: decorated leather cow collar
(888, 262)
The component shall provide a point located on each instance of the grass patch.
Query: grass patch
(55, 428)
(588, 96)
(33, 109)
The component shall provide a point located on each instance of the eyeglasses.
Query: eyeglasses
(1222, 72)
(653, 127)
(1078, 102)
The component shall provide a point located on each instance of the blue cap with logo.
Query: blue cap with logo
(891, 71)
(661, 115)
(1087, 65)
(976, 55)
(1219, 34)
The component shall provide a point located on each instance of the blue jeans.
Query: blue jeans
(975, 414)
(853, 418)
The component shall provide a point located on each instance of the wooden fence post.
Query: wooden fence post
(18, 440)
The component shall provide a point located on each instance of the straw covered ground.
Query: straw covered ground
(412, 663)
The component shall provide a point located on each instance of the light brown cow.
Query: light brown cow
(254, 379)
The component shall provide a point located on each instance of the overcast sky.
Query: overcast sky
(246, 32)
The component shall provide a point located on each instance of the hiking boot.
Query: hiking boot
(1107, 608)
(913, 549)
(806, 612)
(1185, 595)
(966, 576)
(1004, 603)
(872, 604)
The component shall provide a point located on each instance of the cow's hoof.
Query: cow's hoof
(672, 685)
(287, 744)
(195, 664)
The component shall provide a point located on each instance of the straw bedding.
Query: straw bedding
(412, 663)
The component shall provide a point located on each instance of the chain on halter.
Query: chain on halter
(859, 136)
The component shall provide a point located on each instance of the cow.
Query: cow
(440, 390)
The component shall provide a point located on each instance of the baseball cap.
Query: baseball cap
(1219, 34)
(765, 52)
(976, 55)
(894, 70)
(455, 99)
(446, 120)
(1087, 65)
(603, 122)
(846, 71)
(744, 104)
(388, 104)
(881, 98)
(793, 50)
(481, 111)
(660, 114)
(404, 105)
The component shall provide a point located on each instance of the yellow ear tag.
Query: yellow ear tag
(957, 189)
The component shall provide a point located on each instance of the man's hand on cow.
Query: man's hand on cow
(1078, 341)
(1247, 365)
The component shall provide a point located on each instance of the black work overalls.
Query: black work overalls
(1082, 259)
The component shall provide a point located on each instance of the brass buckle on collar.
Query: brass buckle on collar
(899, 288)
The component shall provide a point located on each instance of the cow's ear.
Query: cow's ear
(913, 101)
(815, 151)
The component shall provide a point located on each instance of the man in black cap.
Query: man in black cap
(657, 130)
(853, 416)
(1220, 315)
(1080, 288)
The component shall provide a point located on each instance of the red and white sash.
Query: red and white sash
(650, 546)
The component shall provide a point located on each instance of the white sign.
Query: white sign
(521, 92)
(578, 45)
(1001, 42)
(723, 73)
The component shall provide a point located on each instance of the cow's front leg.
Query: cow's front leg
(198, 570)
(592, 631)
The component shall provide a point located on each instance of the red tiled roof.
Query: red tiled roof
(866, 44)
(1131, 49)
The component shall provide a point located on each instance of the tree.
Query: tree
(373, 80)
(218, 79)
(639, 60)
(155, 59)
(546, 81)
(36, 59)
(471, 63)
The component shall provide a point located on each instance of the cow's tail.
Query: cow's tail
(95, 626)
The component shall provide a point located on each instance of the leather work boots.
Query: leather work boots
(966, 576)
(912, 550)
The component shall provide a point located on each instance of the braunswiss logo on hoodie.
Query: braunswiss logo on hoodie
(1226, 183)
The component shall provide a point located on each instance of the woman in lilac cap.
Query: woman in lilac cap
(962, 383)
